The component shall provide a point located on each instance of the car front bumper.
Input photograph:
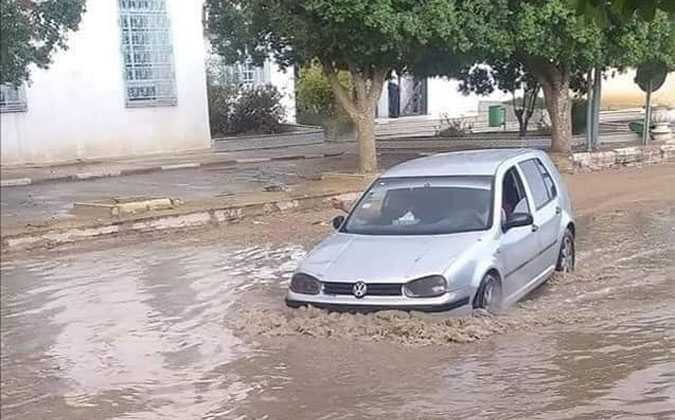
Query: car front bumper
(457, 301)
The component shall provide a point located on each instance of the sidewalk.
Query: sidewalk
(46, 215)
(212, 211)
(260, 150)
(92, 169)
(44, 204)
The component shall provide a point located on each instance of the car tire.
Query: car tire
(488, 297)
(567, 254)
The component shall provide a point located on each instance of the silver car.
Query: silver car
(449, 232)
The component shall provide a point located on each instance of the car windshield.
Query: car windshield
(423, 206)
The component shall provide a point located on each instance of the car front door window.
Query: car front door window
(514, 199)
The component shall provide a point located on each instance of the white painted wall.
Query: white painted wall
(445, 98)
(76, 108)
(284, 81)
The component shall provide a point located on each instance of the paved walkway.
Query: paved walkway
(80, 170)
(38, 195)
(47, 203)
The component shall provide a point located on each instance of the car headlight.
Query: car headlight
(426, 287)
(306, 284)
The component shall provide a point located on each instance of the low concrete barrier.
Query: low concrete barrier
(627, 156)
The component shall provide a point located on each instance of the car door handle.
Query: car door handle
(558, 210)
(535, 228)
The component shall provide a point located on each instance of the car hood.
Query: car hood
(385, 259)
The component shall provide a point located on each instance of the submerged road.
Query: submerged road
(194, 327)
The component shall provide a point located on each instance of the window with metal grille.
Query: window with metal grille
(148, 53)
(12, 98)
(247, 74)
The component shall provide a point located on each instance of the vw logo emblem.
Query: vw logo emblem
(360, 289)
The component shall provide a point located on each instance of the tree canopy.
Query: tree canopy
(551, 42)
(605, 11)
(542, 41)
(31, 31)
(367, 38)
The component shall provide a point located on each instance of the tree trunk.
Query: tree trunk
(519, 112)
(522, 127)
(525, 110)
(365, 136)
(360, 107)
(556, 85)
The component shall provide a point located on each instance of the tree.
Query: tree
(314, 94)
(605, 11)
(509, 77)
(31, 31)
(366, 38)
(555, 45)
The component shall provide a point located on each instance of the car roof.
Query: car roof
(470, 162)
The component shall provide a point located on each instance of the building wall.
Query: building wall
(76, 108)
(284, 81)
(444, 98)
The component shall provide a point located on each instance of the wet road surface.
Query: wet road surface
(197, 330)
(54, 201)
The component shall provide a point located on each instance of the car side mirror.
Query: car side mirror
(518, 220)
(338, 221)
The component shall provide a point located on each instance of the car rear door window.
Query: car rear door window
(548, 180)
(542, 190)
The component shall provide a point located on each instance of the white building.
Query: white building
(249, 75)
(434, 97)
(132, 82)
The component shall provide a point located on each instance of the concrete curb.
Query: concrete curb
(19, 182)
(621, 157)
(190, 219)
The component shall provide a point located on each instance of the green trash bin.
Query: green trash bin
(496, 115)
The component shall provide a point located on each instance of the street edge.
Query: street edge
(83, 176)
(215, 216)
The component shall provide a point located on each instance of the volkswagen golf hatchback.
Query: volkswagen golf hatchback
(449, 232)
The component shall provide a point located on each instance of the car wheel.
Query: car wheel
(567, 257)
(489, 294)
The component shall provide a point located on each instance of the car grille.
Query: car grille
(374, 289)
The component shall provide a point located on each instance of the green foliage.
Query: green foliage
(367, 38)
(606, 11)
(454, 127)
(221, 99)
(550, 30)
(347, 34)
(509, 77)
(549, 41)
(31, 31)
(638, 42)
(244, 110)
(314, 95)
(539, 34)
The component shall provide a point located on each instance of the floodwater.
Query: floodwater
(199, 331)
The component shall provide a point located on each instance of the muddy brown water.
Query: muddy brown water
(198, 330)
